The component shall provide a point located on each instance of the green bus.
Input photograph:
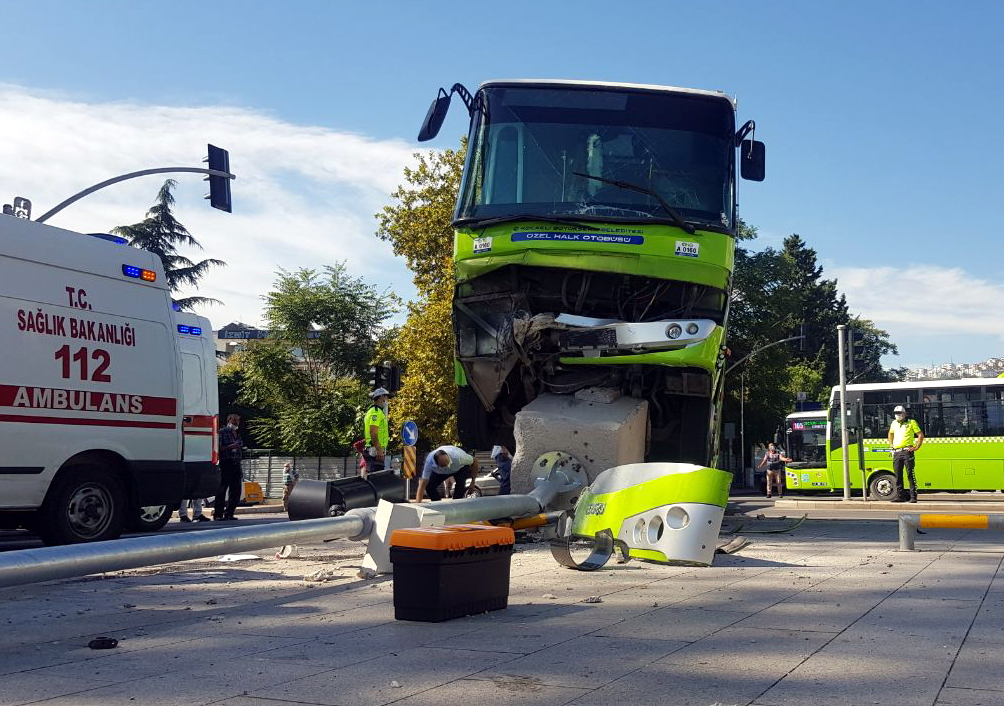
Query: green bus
(963, 426)
(594, 246)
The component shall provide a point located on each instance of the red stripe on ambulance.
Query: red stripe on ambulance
(25, 397)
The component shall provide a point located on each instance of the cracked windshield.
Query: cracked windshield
(530, 146)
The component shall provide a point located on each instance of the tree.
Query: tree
(419, 228)
(307, 375)
(161, 233)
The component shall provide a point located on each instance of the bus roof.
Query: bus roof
(814, 414)
(922, 384)
(609, 84)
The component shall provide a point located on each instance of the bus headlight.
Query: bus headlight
(673, 331)
(692, 328)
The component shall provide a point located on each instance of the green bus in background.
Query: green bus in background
(595, 238)
(963, 426)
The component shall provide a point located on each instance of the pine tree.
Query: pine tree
(161, 233)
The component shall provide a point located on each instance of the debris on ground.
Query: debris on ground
(287, 551)
(238, 557)
(395, 685)
(103, 643)
(592, 599)
(365, 573)
(322, 575)
(731, 546)
(550, 596)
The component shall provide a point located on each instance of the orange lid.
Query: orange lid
(452, 537)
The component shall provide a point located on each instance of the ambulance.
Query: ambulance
(93, 410)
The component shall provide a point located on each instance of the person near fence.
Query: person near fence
(503, 460)
(360, 447)
(446, 462)
(905, 437)
(197, 515)
(290, 477)
(377, 430)
(231, 477)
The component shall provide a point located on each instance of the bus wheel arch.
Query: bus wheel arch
(87, 500)
(882, 485)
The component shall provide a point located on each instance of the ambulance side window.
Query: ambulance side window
(192, 385)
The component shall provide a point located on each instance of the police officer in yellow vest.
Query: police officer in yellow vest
(905, 437)
(376, 430)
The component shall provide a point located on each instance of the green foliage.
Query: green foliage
(419, 228)
(306, 377)
(774, 292)
(161, 233)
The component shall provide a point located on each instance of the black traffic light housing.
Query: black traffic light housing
(855, 348)
(219, 186)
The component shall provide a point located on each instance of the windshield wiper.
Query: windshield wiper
(673, 214)
(484, 223)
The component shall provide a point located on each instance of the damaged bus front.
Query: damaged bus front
(595, 235)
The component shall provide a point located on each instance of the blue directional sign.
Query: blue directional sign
(409, 433)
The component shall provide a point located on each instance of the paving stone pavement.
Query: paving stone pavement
(827, 614)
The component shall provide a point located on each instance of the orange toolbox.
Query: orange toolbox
(448, 572)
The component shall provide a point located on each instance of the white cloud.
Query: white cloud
(941, 310)
(304, 195)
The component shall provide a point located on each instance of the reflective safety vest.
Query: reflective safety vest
(375, 417)
(904, 434)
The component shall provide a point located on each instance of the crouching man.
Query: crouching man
(446, 462)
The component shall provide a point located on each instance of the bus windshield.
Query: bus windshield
(806, 440)
(528, 141)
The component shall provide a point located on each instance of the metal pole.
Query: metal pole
(742, 423)
(843, 411)
(907, 531)
(861, 450)
(131, 175)
(50, 563)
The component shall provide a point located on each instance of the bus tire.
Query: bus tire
(148, 519)
(883, 487)
(87, 503)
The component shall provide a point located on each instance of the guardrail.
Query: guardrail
(910, 522)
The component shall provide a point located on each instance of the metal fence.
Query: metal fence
(264, 466)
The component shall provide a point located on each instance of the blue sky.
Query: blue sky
(881, 119)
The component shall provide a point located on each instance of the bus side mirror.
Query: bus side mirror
(435, 117)
(752, 160)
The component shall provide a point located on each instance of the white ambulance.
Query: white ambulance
(91, 397)
(200, 420)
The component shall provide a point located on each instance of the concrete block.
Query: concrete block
(599, 435)
(603, 395)
(392, 516)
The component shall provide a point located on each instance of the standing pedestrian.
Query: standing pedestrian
(290, 477)
(231, 477)
(197, 515)
(376, 430)
(503, 460)
(447, 462)
(905, 437)
(360, 447)
(774, 459)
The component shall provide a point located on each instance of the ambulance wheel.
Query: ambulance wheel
(86, 504)
(149, 519)
(883, 487)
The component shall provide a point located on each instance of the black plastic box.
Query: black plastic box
(433, 585)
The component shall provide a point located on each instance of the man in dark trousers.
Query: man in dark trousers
(447, 462)
(231, 476)
(905, 437)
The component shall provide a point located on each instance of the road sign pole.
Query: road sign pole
(841, 346)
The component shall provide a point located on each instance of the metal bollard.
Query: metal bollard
(909, 522)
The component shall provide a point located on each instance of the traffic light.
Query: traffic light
(219, 186)
(376, 377)
(856, 348)
(803, 342)
(394, 378)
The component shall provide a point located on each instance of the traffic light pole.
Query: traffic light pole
(131, 175)
(842, 347)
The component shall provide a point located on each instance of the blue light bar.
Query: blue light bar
(117, 239)
(132, 271)
(196, 330)
(182, 328)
